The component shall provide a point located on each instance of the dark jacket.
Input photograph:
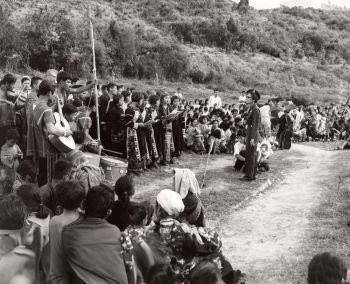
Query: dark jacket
(253, 124)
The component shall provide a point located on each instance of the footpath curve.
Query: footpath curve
(262, 236)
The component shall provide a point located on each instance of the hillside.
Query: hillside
(199, 44)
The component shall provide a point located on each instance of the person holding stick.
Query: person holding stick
(253, 136)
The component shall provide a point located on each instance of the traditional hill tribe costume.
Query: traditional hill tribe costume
(136, 145)
(152, 114)
(7, 118)
(285, 131)
(46, 153)
(116, 128)
(164, 111)
(188, 245)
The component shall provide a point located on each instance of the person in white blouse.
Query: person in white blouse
(215, 100)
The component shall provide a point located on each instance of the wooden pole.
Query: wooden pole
(94, 73)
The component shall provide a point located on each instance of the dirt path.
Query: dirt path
(263, 239)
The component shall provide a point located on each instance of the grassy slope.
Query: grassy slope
(238, 70)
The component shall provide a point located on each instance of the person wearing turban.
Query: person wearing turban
(188, 245)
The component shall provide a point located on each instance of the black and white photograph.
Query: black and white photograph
(174, 141)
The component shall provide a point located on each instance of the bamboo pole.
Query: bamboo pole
(94, 73)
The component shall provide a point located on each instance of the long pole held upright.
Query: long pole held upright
(94, 73)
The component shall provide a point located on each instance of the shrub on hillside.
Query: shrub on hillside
(50, 37)
(270, 49)
(13, 50)
(121, 42)
(197, 76)
(313, 43)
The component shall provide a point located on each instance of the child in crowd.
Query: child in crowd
(11, 153)
(239, 150)
(26, 174)
(70, 196)
(264, 153)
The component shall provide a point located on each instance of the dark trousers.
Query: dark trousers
(42, 176)
(240, 164)
(250, 161)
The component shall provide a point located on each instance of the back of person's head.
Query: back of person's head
(217, 134)
(12, 213)
(124, 188)
(326, 268)
(34, 81)
(206, 272)
(30, 196)
(70, 194)
(12, 134)
(99, 201)
(62, 169)
(78, 137)
(153, 99)
(126, 94)
(137, 214)
(117, 98)
(160, 274)
(104, 88)
(8, 80)
(26, 169)
(255, 94)
(77, 102)
(63, 76)
(45, 88)
(6, 186)
(69, 109)
(137, 97)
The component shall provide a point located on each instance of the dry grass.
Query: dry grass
(223, 188)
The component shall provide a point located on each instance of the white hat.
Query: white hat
(170, 201)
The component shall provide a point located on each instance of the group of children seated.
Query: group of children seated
(69, 232)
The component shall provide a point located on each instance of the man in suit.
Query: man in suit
(253, 137)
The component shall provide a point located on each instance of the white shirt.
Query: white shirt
(215, 100)
(178, 94)
(237, 148)
(242, 99)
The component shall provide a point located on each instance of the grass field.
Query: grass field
(223, 188)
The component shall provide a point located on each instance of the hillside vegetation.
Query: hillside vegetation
(303, 53)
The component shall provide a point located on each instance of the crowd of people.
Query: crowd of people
(60, 222)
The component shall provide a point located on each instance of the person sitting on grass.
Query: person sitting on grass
(26, 174)
(11, 153)
(217, 137)
(61, 172)
(124, 189)
(17, 263)
(239, 150)
(91, 245)
(187, 245)
(264, 153)
(70, 195)
(326, 268)
(133, 239)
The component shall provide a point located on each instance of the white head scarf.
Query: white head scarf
(185, 181)
(170, 201)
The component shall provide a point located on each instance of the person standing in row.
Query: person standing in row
(253, 136)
